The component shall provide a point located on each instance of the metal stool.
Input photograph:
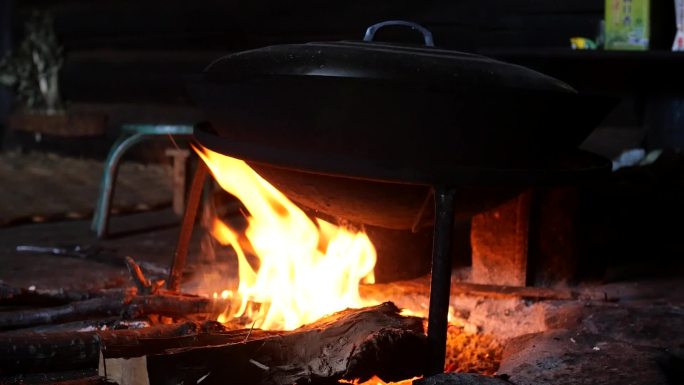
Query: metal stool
(131, 135)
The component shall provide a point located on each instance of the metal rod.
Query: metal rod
(440, 283)
(189, 217)
(100, 222)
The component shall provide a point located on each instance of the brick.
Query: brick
(499, 241)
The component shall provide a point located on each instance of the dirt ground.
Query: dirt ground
(48, 200)
(147, 237)
(38, 187)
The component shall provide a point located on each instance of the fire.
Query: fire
(306, 269)
(375, 380)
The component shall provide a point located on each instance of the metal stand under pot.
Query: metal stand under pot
(445, 210)
(441, 264)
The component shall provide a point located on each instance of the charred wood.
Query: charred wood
(355, 343)
(46, 352)
(144, 285)
(461, 379)
(77, 326)
(122, 304)
(74, 377)
(94, 380)
(141, 282)
(14, 296)
(349, 344)
(207, 334)
(73, 311)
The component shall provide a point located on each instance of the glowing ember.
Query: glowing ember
(377, 381)
(306, 269)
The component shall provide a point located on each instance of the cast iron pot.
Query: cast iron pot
(360, 130)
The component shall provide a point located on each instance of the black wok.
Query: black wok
(360, 130)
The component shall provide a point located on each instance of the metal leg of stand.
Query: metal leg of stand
(101, 214)
(440, 284)
(189, 218)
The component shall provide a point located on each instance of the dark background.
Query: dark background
(128, 58)
(123, 50)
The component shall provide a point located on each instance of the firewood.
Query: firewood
(14, 296)
(141, 282)
(352, 344)
(45, 352)
(78, 377)
(122, 304)
(75, 326)
(210, 334)
(73, 311)
(39, 352)
(95, 380)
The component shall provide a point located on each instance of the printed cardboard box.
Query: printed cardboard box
(627, 24)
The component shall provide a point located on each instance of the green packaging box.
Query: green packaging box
(627, 24)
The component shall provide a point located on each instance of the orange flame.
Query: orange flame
(306, 269)
(375, 380)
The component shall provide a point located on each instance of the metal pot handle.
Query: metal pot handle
(427, 35)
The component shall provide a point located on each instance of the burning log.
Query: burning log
(141, 282)
(120, 303)
(351, 344)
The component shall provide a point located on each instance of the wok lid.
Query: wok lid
(390, 112)
(368, 60)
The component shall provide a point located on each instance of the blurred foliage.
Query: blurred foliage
(33, 69)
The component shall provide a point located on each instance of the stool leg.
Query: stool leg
(101, 214)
